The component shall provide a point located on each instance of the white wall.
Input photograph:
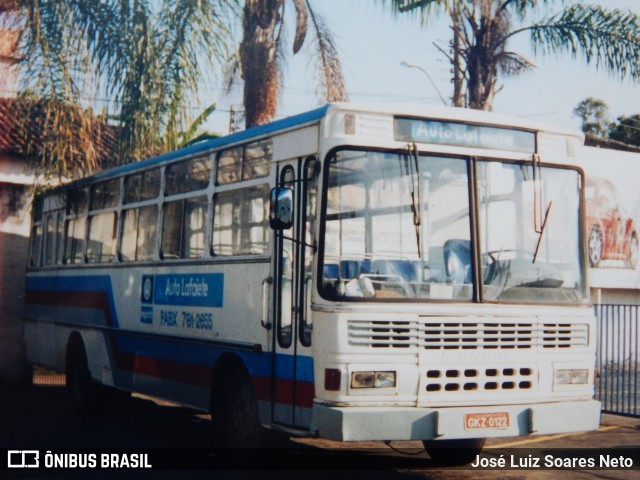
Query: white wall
(15, 223)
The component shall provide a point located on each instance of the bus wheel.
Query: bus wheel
(79, 384)
(242, 426)
(595, 244)
(453, 452)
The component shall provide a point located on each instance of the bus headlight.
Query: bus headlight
(572, 377)
(373, 379)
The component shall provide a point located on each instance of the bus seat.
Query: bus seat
(457, 260)
(353, 268)
(406, 269)
(331, 270)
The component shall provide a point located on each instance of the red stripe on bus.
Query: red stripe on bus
(198, 375)
(283, 394)
(94, 300)
(193, 374)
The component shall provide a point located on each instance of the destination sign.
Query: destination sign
(195, 290)
(464, 135)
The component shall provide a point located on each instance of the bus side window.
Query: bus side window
(36, 240)
(76, 230)
(244, 163)
(188, 176)
(138, 239)
(105, 194)
(229, 166)
(257, 159)
(183, 229)
(101, 237)
(49, 239)
(53, 237)
(240, 221)
(142, 186)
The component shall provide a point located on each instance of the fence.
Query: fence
(48, 378)
(618, 360)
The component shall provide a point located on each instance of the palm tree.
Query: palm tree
(482, 29)
(261, 56)
(143, 57)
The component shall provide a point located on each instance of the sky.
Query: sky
(372, 44)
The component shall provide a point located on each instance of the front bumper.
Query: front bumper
(412, 423)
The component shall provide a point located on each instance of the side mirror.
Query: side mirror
(281, 208)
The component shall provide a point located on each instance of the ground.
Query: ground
(40, 417)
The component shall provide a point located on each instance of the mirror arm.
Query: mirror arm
(314, 247)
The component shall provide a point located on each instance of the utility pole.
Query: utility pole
(236, 117)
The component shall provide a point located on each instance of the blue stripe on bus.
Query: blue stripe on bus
(169, 349)
(84, 284)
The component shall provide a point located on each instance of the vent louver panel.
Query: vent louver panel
(467, 336)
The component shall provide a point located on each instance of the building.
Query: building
(17, 184)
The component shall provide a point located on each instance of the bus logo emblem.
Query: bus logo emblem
(147, 289)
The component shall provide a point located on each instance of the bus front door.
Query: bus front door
(292, 368)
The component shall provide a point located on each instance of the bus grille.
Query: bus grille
(467, 336)
(480, 379)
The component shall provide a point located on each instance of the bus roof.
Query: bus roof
(212, 144)
(417, 110)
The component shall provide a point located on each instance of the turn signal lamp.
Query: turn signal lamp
(572, 377)
(332, 379)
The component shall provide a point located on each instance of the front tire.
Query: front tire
(453, 452)
(241, 427)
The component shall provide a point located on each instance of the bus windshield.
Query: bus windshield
(398, 225)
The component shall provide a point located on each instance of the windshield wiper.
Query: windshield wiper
(541, 232)
(416, 201)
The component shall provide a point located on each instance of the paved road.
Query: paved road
(40, 418)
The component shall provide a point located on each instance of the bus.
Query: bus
(356, 272)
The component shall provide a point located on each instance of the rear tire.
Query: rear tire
(80, 387)
(453, 452)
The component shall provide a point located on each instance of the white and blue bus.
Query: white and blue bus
(357, 272)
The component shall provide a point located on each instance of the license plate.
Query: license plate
(480, 421)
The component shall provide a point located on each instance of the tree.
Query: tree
(594, 114)
(482, 29)
(627, 130)
(147, 60)
(262, 55)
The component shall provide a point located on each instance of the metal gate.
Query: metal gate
(618, 361)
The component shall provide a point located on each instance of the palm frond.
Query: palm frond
(427, 10)
(60, 139)
(511, 63)
(189, 41)
(56, 133)
(522, 7)
(302, 21)
(607, 38)
(191, 134)
(328, 69)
